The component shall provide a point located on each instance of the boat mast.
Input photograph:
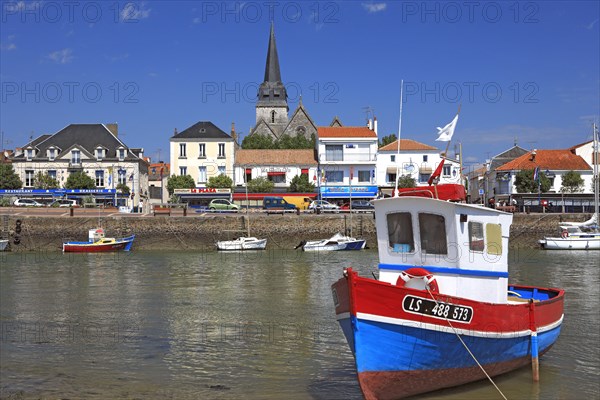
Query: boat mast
(596, 177)
(247, 202)
(396, 194)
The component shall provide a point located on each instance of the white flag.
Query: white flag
(445, 133)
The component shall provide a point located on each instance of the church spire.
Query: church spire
(272, 73)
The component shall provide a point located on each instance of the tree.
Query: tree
(123, 188)
(572, 182)
(221, 181)
(294, 142)
(387, 140)
(180, 182)
(525, 183)
(8, 178)
(300, 184)
(44, 181)
(405, 181)
(80, 180)
(260, 185)
(258, 141)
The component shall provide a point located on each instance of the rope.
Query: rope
(466, 347)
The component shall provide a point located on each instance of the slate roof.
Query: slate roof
(276, 157)
(558, 160)
(506, 156)
(407, 144)
(345, 132)
(84, 136)
(203, 130)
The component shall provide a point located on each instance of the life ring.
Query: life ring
(421, 273)
(564, 234)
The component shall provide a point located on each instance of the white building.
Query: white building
(278, 166)
(415, 159)
(347, 161)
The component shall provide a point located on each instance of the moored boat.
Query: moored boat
(242, 243)
(442, 313)
(98, 243)
(335, 243)
(3, 244)
(573, 238)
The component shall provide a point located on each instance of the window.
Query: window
(334, 176)
(476, 236)
(222, 150)
(182, 171)
(100, 178)
(29, 178)
(424, 158)
(423, 178)
(221, 170)
(334, 152)
(391, 178)
(121, 154)
(432, 229)
(51, 154)
(99, 154)
(446, 170)
(277, 178)
(29, 154)
(400, 232)
(493, 234)
(273, 116)
(393, 158)
(182, 153)
(202, 150)
(364, 176)
(202, 174)
(75, 157)
(122, 177)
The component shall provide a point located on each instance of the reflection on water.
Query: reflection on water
(235, 325)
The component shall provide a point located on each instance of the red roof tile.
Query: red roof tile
(407, 144)
(345, 131)
(561, 160)
(275, 157)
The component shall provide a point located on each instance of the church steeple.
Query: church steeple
(272, 73)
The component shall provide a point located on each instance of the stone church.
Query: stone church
(272, 107)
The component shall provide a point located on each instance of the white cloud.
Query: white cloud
(196, 20)
(591, 25)
(374, 7)
(135, 12)
(63, 56)
(152, 74)
(8, 47)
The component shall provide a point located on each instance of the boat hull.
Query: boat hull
(3, 244)
(326, 245)
(123, 244)
(239, 245)
(400, 351)
(571, 243)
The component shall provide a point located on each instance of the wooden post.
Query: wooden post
(535, 363)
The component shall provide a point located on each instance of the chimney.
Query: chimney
(233, 134)
(113, 128)
(175, 132)
(375, 124)
(370, 124)
(532, 158)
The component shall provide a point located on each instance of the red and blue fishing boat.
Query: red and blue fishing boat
(442, 312)
(98, 243)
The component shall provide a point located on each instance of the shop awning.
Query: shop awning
(275, 173)
(248, 170)
(392, 170)
(304, 171)
(425, 170)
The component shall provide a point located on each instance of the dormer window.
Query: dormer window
(99, 154)
(75, 157)
(29, 154)
(121, 154)
(51, 154)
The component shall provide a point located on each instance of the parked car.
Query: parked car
(278, 204)
(64, 203)
(358, 205)
(323, 206)
(222, 204)
(27, 203)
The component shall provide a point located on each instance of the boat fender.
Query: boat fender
(565, 234)
(417, 273)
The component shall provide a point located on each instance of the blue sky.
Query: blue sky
(528, 70)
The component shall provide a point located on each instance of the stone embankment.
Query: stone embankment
(201, 232)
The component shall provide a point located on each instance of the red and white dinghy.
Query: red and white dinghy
(442, 313)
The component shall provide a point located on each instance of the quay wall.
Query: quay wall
(201, 232)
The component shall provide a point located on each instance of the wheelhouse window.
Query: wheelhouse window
(446, 170)
(400, 232)
(476, 236)
(432, 229)
(493, 234)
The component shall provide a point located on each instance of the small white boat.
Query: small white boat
(242, 243)
(3, 244)
(335, 243)
(572, 238)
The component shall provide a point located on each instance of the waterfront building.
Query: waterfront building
(415, 160)
(94, 149)
(202, 151)
(497, 184)
(279, 166)
(347, 157)
(158, 175)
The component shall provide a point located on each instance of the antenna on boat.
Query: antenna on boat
(396, 194)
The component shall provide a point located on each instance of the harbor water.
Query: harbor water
(208, 325)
